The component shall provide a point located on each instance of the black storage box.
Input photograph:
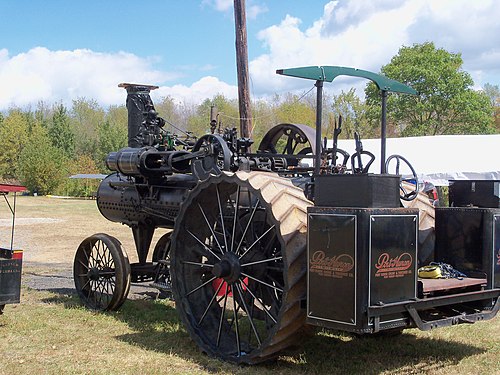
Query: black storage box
(479, 193)
(358, 258)
(357, 190)
(469, 240)
(10, 275)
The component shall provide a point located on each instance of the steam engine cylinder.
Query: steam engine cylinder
(147, 161)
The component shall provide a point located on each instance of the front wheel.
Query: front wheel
(101, 273)
(239, 265)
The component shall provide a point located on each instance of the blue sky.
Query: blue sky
(58, 50)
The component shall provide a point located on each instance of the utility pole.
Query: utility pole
(242, 68)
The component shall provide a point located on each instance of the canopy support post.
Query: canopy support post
(319, 114)
(383, 132)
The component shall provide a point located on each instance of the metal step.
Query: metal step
(164, 287)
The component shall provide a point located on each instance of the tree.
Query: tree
(77, 187)
(14, 137)
(446, 103)
(111, 137)
(493, 93)
(86, 115)
(296, 111)
(60, 132)
(353, 111)
(41, 165)
(199, 123)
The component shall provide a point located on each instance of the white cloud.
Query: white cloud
(366, 34)
(41, 74)
(206, 87)
(219, 5)
(359, 33)
(52, 76)
(252, 10)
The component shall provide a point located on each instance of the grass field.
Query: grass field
(50, 333)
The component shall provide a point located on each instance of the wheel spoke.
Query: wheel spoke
(221, 217)
(200, 286)
(86, 283)
(106, 273)
(237, 330)
(210, 228)
(236, 209)
(257, 240)
(260, 302)
(99, 288)
(248, 225)
(248, 314)
(262, 282)
(98, 253)
(223, 312)
(276, 282)
(261, 261)
(83, 264)
(85, 252)
(202, 244)
(197, 264)
(210, 303)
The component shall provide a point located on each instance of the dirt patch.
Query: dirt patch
(49, 231)
(28, 221)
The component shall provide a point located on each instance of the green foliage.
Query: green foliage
(295, 111)
(111, 137)
(493, 93)
(199, 123)
(14, 136)
(86, 115)
(41, 165)
(80, 187)
(60, 132)
(354, 115)
(446, 103)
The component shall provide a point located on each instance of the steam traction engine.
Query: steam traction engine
(264, 243)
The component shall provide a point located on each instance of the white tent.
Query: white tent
(440, 158)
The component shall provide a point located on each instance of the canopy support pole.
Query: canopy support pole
(383, 132)
(319, 114)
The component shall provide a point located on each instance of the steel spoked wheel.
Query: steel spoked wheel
(239, 266)
(161, 255)
(101, 272)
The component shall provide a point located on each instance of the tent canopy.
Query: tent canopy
(441, 158)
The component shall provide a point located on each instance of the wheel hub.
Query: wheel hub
(94, 274)
(228, 268)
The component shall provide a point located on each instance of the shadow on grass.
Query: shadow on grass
(157, 328)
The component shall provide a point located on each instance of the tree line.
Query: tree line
(43, 146)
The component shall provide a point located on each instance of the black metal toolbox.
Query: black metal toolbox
(10, 275)
(356, 258)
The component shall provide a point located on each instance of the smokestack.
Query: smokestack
(139, 104)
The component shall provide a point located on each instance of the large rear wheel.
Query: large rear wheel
(239, 265)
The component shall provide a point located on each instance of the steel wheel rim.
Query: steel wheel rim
(242, 272)
(99, 273)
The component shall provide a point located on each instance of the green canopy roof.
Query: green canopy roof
(329, 73)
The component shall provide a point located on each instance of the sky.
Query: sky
(60, 50)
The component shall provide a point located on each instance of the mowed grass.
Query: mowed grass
(53, 334)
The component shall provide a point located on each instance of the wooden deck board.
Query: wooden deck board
(438, 285)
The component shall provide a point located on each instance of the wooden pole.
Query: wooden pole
(242, 68)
